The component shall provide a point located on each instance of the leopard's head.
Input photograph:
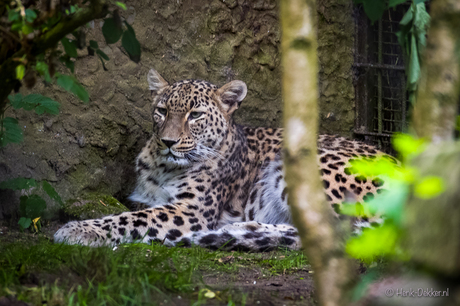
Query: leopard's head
(192, 118)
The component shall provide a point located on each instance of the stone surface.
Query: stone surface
(433, 238)
(335, 52)
(91, 147)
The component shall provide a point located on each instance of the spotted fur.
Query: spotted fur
(208, 181)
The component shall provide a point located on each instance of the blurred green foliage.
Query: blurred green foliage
(382, 240)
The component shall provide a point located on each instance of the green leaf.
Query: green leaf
(11, 132)
(93, 44)
(20, 71)
(412, 39)
(407, 145)
(373, 243)
(407, 17)
(71, 84)
(421, 23)
(374, 9)
(13, 15)
(382, 165)
(40, 103)
(70, 47)
(43, 69)
(68, 62)
(121, 4)
(51, 192)
(16, 101)
(17, 26)
(32, 207)
(30, 15)
(391, 203)
(102, 54)
(357, 210)
(24, 223)
(45, 104)
(111, 30)
(393, 3)
(103, 64)
(429, 187)
(422, 18)
(18, 183)
(131, 44)
(27, 29)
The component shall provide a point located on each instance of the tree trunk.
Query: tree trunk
(432, 225)
(312, 215)
(435, 112)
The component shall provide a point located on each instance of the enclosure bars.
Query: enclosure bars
(379, 84)
(379, 81)
(381, 98)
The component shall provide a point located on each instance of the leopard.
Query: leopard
(203, 179)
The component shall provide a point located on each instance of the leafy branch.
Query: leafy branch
(28, 49)
(29, 39)
(412, 38)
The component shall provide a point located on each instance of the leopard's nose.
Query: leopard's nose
(169, 143)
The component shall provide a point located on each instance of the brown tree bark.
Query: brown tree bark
(312, 215)
(432, 236)
(438, 95)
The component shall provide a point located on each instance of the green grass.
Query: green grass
(133, 274)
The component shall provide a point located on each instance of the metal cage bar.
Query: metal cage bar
(380, 86)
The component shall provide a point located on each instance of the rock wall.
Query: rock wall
(335, 51)
(91, 148)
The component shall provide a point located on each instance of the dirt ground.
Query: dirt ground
(289, 289)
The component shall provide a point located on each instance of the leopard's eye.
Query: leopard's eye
(195, 115)
(162, 111)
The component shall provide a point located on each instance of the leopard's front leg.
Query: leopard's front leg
(166, 222)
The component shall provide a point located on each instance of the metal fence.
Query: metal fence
(380, 82)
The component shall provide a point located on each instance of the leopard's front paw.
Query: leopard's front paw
(81, 232)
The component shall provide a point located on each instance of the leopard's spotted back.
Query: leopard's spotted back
(209, 181)
(334, 156)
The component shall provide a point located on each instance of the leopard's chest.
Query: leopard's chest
(158, 187)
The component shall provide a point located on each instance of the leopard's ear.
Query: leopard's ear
(156, 82)
(231, 95)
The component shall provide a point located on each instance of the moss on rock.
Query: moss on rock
(93, 206)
